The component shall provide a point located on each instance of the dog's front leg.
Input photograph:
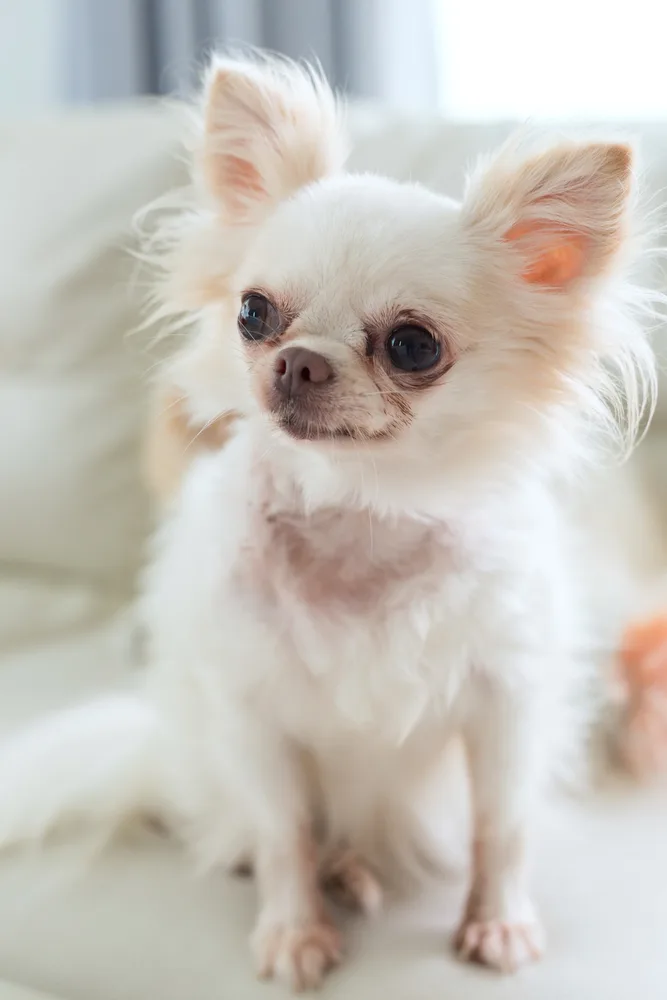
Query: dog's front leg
(505, 745)
(294, 939)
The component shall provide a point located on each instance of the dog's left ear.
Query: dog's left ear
(562, 214)
(271, 126)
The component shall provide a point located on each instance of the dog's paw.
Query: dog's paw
(351, 883)
(299, 956)
(499, 944)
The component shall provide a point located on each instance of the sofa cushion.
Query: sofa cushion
(70, 399)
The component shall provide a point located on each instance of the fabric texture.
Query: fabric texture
(73, 517)
(137, 923)
(9, 991)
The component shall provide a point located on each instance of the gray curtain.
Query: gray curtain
(114, 49)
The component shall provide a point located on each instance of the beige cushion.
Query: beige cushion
(69, 400)
(10, 991)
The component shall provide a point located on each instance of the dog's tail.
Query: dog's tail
(96, 765)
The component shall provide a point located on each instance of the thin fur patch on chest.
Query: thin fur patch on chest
(344, 560)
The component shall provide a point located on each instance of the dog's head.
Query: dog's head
(383, 319)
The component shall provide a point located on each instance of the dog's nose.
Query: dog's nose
(297, 368)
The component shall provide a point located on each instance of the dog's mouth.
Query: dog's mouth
(309, 426)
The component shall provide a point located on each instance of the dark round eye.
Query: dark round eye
(258, 318)
(412, 349)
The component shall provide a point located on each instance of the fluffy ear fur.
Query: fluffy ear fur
(564, 212)
(270, 127)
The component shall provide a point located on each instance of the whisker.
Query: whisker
(205, 427)
(151, 368)
(360, 456)
(170, 406)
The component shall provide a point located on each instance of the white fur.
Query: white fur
(273, 700)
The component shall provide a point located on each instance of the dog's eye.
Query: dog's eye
(258, 319)
(412, 349)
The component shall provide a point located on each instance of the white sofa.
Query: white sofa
(137, 925)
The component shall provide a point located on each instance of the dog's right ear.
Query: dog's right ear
(270, 127)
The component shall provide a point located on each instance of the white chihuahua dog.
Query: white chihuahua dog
(379, 558)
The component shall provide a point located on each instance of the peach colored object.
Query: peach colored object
(643, 661)
(644, 652)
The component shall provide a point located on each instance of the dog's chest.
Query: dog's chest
(344, 562)
(352, 601)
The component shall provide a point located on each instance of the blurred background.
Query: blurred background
(482, 59)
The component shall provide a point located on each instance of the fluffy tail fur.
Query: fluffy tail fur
(95, 765)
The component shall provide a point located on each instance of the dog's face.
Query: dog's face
(350, 311)
(371, 315)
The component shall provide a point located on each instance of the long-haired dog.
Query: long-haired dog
(379, 558)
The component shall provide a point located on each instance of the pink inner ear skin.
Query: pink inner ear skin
(555, 256)
(237, 180)
(242, 175)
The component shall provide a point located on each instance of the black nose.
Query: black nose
(297, 368)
